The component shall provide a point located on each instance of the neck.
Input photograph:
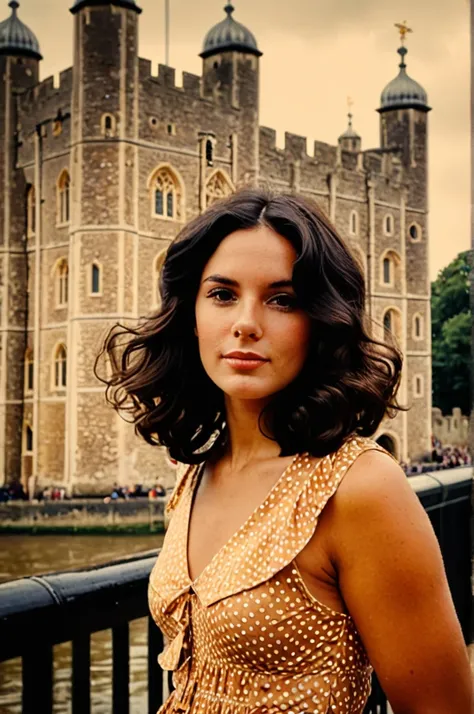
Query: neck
(246, 442)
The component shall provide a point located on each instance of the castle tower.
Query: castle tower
(19, 67)
(231, 76)
(405, 259)
(350, 140)
(103, 226)
(403, 125)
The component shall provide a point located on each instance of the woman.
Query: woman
(297, 556)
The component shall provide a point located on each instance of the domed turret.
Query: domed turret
(403, 92)
(404, 114)
(350, 139)
(16, 38)
(229, 35)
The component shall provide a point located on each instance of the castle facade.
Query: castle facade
(100, 172)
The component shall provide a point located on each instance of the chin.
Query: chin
(243, 388)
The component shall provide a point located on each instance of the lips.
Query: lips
(244, 361)
(250, 356)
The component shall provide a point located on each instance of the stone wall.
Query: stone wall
(81, 513)
(450, 429)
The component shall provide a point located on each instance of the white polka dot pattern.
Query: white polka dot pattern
(247, 637)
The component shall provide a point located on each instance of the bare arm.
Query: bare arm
(392, 579)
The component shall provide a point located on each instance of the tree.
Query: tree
(451, 335)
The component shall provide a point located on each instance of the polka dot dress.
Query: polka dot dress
(247, 636)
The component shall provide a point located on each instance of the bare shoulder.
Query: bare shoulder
(373, 476)
(391, 577)
(375, 487)
(375, 508)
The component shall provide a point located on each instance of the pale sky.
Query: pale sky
(316, 54)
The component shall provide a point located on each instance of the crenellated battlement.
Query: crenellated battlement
(192, 84)
(144, 69)
(374, 161)
(295, 145)
(166, 78)
(44, 88)
(268, 139)
(325, 153)
(65, 79)
(42, 93)
(39, 107)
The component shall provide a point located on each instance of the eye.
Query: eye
(221, 295)
(284, 301)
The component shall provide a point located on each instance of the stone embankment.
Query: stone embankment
(138, 515)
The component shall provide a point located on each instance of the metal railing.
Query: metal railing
(39, 612)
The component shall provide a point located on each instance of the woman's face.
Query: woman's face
(253, 337)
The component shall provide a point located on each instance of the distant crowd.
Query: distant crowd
(441, 457)
(16, 492)
(138, 491)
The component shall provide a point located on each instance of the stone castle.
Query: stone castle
(452, 429)
(100, 171)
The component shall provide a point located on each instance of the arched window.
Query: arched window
(417, 327)
(108, 125)
(166, 195)
(418, 385)
(29, 370)
(218, 186)
(96, 279)
(388, 224)
(62, 277)
(389, 268)
(354, 223)
(31, 211)
(209, 153)
(60, 367)
(28, 439)
(63, 198)
(392, 325)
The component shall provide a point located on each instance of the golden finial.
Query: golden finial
(403, 29)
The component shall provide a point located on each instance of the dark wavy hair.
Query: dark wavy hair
(349, 380)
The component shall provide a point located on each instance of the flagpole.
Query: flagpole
(167, 32)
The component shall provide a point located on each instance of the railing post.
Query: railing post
(120, 669)
(81, 674)
(37, 681)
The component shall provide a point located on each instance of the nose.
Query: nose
(247, 323)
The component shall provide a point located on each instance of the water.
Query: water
(34, 555)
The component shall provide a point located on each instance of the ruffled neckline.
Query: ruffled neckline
(193, 486)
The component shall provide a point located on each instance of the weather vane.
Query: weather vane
(403, 29)
(350, 103)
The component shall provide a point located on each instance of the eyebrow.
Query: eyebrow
(222, 280)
